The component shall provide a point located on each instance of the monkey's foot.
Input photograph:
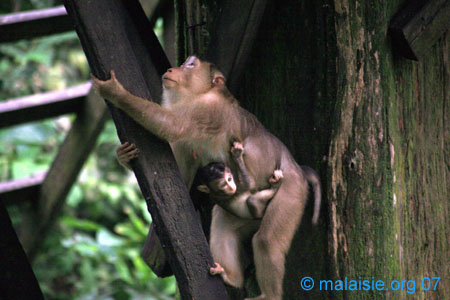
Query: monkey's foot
(277, 176)
(260, 297)
(237, 149)
(216, 270)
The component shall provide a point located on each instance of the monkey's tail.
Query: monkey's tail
(313, 178)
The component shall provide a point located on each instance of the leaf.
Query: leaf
(40, 56)
(137, 223)
(75, 196)
(127, 230)
(106, 238)
(123, 271)
(81, 224)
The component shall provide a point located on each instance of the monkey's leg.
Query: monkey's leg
(226, 247)
(273, 239)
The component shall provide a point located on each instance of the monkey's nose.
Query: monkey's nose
(170, 70)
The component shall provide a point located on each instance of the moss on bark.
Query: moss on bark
(323, 78)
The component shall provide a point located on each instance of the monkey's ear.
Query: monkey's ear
(203, 188)
(219, 80)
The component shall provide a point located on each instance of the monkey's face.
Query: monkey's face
(193, 77)
(224, 185)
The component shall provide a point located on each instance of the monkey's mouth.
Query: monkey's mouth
(167, 78)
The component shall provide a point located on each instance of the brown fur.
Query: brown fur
(200, 115)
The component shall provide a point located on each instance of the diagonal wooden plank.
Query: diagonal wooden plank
(20, 190)
(417, 26)
(32, 24)
(63, 172)
(42, 106)
(121, 39)
(154, 256)
(17, 280)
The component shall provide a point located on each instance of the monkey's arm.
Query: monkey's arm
(257, 202)
(158, 120)
(247, 182)
(236, 205)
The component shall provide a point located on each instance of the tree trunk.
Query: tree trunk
(323, 78)
(289, 85)
(388, 160)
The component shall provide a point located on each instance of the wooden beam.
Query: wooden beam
(17, 280)
(63, 172)
(32, 24)
(418, 26)
(116, 35)
(20, 190)
(233, 36)
(154, 256)
(42, 106)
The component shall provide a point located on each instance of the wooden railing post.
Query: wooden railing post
(116, 35)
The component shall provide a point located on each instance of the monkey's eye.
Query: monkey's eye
(229, 179)
(190, 63)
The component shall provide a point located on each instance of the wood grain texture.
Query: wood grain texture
(418, 26)
(389, 156)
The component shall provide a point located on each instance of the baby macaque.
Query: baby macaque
(218, 181)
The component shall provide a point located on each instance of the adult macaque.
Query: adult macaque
(218, 181)
(199, 115)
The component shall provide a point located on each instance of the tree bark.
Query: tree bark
(323, 78)
(388, 161)
(288, 83)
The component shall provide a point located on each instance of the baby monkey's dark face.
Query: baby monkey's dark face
(224, 185)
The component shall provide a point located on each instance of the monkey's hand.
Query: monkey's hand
(110, 89)
(125, 153)
(237, 150)
(217, 270)
(275, 179)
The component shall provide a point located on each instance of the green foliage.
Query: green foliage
(42, 64)
(93, 252)
(101, 232)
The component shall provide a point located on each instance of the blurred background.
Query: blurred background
(93, 250)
